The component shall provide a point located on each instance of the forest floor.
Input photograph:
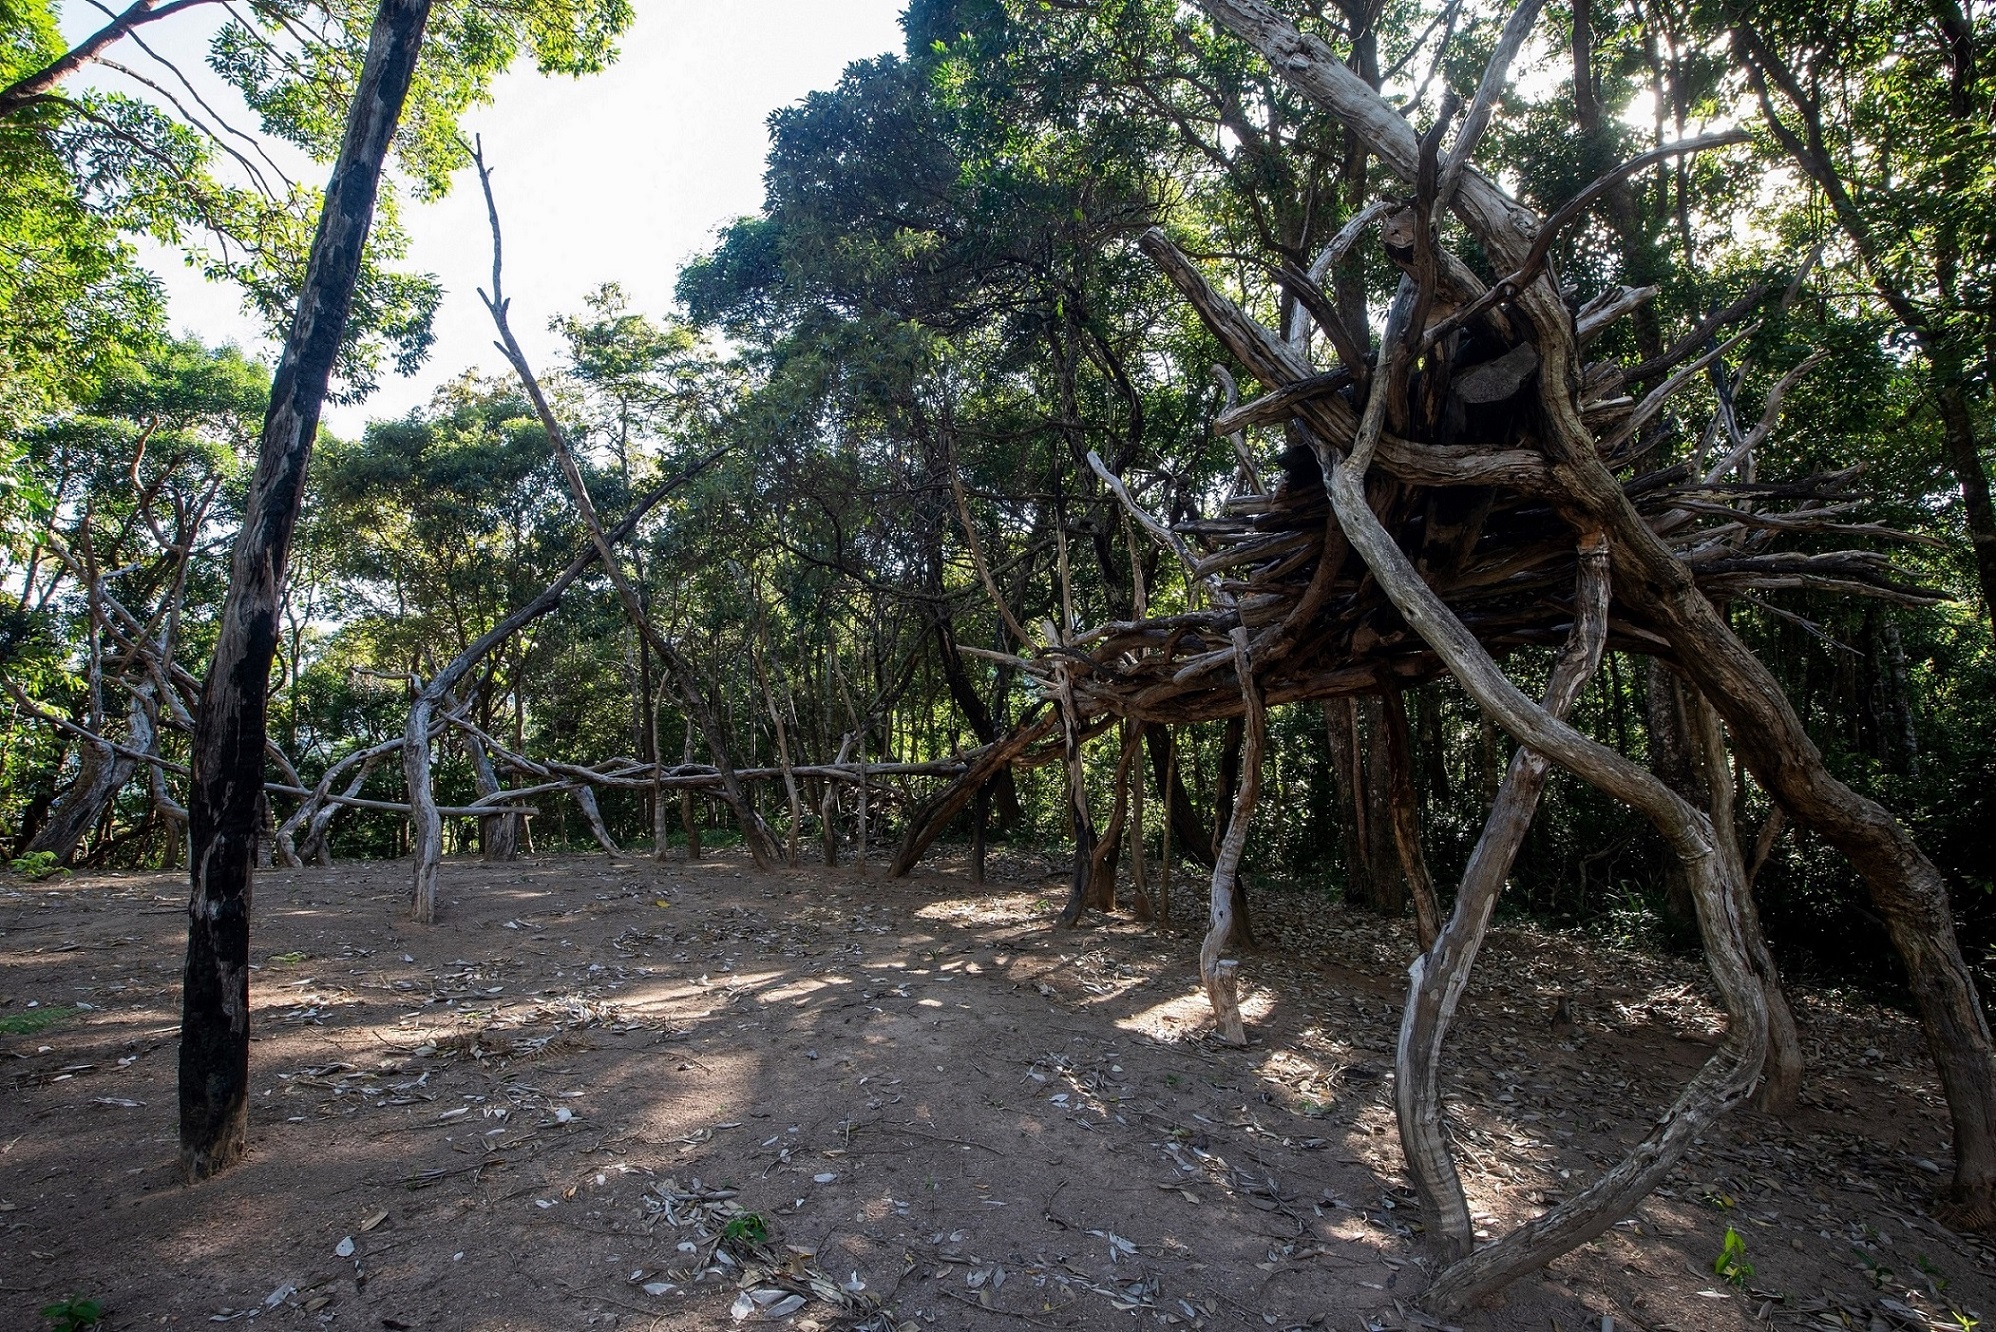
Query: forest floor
(898, 1104)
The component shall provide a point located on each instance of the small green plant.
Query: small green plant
(1931, 1272)
(36, 865)
(748, 1228)
(285, 959)
(73, 1314)
(1880, 1274)
(1731, 1264)
(33, 1020)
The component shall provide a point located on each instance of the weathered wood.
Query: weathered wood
(425, 821)
(1729, 1075)
(1906, 888)
(101, 772)
(1781, 1073)
(1222, 975)
(1439, 977)
(1405, 815)
(925, 824)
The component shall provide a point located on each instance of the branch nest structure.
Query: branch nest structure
(1498, 551)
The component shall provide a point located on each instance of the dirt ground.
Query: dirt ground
(622, 1094)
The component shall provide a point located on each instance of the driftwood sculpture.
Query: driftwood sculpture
(1472, 486)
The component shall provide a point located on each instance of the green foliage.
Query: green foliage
(73, 1314)
(748, 1228)
(30, 1021)
(942, 285)
(36, 865)
(1731, 1264)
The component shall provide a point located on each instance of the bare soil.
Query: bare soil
(625, 1094)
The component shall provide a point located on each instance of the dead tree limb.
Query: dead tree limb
(755, 834)
(1438, 978)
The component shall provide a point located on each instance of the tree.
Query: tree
(228, 758)
(1886, 110)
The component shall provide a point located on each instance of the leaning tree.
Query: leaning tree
(226, 790)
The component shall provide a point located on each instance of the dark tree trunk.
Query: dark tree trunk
(1405, 812)
(1670, 759)
(1354, 729)
(227, 781)
(1964, 459)
(33, 818)
(1003, 796)
(980, 822)
(1188, 831)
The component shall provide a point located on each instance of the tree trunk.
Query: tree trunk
(1140, 902)
(1440, 976)
(592, 814)
(980, 823)
(1405, 811)
(688, 808)
(1081, 819)
(1907, 889)
(1964, 459)
(1355, 730)
(1221, 974)
(228, 758)
(101, 773)
(498, 834)
(1109, 849)
(1670, 758)
(1729, 1074)
(1781, 1072)
(926, 823)
(1233, 739)
(1187, 829)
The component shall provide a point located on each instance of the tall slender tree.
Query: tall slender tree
(227, 785)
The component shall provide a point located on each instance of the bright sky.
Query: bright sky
(619, 177)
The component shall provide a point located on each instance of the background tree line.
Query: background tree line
(942, 282)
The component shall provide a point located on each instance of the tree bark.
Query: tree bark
(1081, 818)
(1222, 974)
(1670, 759)
(101, 772)
(927, 823)
(227, 780)
(1440, 976)
(498, 834)
(1964, 459)
(1729, 1074)
(1233, 740)
(1187, 829)
(1404, 806)
(1781, 1073)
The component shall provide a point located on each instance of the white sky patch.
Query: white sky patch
(621, 176)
